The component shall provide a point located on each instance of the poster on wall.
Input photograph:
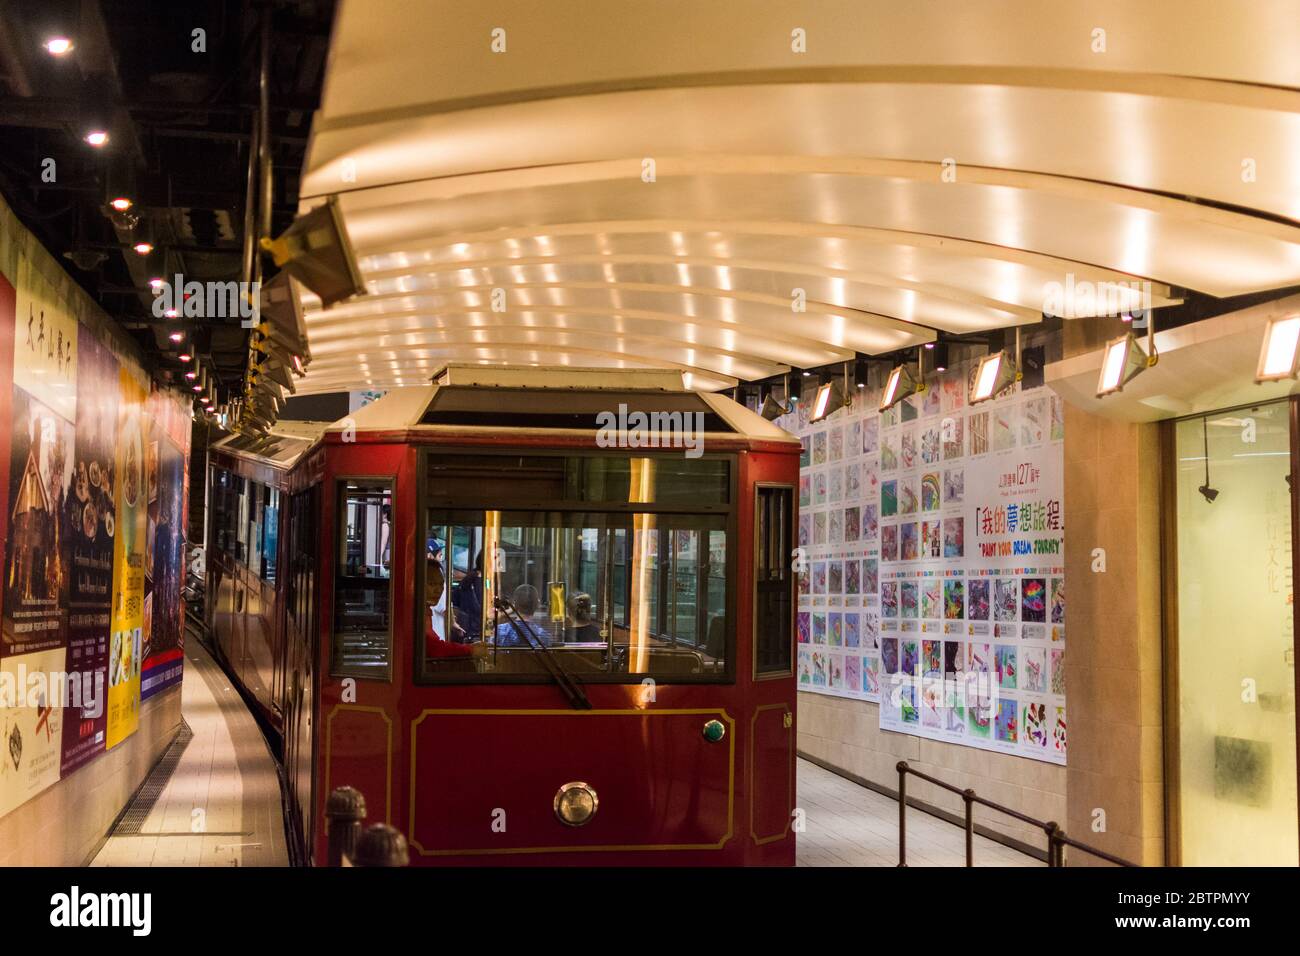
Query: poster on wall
(73, 429)
(126, 642)
(164, 559)
(36, 571)
(31, 725)
(838, 618)
(933, 540)
(45, 344)
(90, 524)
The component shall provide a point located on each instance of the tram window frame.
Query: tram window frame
(773, 565)
(371, 484)
(224, 510)
(472, 501)
(269, 540)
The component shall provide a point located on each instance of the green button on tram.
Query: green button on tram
(714, 731)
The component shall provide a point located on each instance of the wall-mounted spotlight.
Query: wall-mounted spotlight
(832, 395)
(97, 138)
(772, 409)
(902, 383)
(59, 46)
(1125, 358)
(995, 372)
(1279, 358)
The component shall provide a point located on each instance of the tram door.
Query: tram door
(300, 654)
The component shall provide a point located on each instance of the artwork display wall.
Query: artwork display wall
(93, 468)
(931, 569)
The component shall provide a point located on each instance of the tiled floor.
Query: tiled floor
(849, 825)
(221, 806)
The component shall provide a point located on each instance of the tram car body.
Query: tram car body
(534, 616)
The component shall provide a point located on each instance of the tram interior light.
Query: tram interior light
(995, 372)
(315, 251)
(1123, 359)
(1280, 356)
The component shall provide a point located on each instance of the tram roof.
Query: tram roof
(283, 446)
(918, 168)
(556, 401)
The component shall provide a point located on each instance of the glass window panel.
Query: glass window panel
(582, 588)
(1237, 750)
(362, 599)
(270, 534)
(773, 580)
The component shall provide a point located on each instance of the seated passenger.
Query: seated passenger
(525, 601)
(580, 627)
(469, 601)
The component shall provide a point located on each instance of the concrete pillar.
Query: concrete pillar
(1113, 661)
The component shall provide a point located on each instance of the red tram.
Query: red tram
(536, 617)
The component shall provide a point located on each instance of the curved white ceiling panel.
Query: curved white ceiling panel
(816, 181)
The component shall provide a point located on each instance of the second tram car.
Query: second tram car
(534, 616)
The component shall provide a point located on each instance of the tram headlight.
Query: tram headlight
(575, 804)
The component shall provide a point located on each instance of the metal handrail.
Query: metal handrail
(1057, 840)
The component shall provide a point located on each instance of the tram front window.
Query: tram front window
(613, 595)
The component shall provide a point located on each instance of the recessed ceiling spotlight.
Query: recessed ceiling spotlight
(121, 203)
(97, 138)
(58, 46)
(143, 248)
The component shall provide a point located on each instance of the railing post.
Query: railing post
(902, 813)
(381, 845)
(968, 797)
(344, 811)
(1053, 846)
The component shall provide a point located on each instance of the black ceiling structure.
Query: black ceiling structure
(177, 86)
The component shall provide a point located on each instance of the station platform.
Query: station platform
(214, 798)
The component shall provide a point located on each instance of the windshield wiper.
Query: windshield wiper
(572, 690)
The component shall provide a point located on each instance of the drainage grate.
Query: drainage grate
(148, 794)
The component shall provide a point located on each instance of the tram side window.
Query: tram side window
(240, 492)
(300, 572)
(225, 511)
(270, 539)
(362, 579)
(773, 580)
(256, 500)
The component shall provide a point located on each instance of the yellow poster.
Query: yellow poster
(126, 645)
